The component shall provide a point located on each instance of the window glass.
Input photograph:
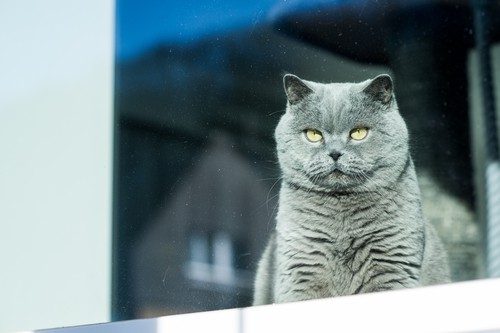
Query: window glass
(199, 93)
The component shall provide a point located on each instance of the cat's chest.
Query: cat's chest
(339, 215)
(339, 228)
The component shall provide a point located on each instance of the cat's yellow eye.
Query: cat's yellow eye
(313, 135)
(358, 133)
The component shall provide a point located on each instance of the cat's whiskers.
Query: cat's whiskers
(273, 212)
(268, 198)
(364, 179)
(310, 187)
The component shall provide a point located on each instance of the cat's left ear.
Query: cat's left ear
(296, 89)
(380, 89)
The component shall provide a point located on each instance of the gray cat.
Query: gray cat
(349, 218)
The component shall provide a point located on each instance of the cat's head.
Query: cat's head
(341, 136)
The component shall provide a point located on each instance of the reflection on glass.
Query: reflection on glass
(198, 95)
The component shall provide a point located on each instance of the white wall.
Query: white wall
(56, 86)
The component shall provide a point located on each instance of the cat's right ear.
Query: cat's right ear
(380, 89)
(296, 89)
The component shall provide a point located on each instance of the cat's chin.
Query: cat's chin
(336, 180)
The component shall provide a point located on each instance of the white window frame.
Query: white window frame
(456, 307)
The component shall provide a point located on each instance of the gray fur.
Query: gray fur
(354, 225)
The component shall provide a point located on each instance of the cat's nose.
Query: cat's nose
(335, 155)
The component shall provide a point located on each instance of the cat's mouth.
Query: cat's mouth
(333, 177)
(338, 173)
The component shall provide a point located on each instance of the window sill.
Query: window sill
(457, 307)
